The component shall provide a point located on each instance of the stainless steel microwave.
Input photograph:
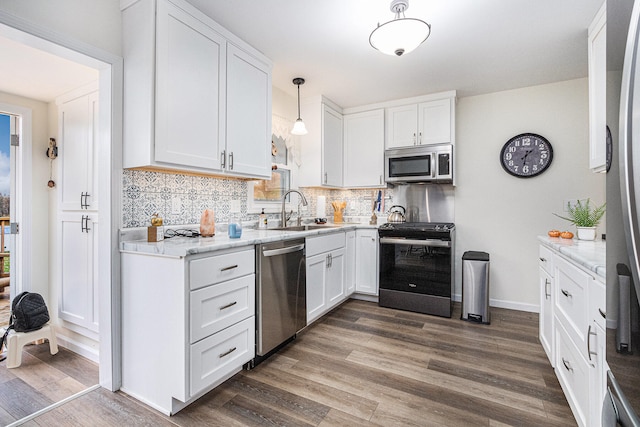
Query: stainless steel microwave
(425, 163)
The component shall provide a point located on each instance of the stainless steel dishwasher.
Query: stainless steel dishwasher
(281, 296)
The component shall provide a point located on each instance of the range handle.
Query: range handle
(415, 242)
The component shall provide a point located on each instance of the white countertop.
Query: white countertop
(592, 255)
(183, 246)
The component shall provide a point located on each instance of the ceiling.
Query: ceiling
(475, 47)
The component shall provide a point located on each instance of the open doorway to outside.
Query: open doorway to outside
(7, 122)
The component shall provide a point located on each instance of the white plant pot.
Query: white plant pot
(586, 233)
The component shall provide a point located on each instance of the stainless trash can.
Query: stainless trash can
(475, 287)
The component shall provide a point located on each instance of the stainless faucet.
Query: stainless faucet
(284, 198)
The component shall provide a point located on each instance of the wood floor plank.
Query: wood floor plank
(72, 364)
(19, 399)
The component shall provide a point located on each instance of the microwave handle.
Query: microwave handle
(433, 164)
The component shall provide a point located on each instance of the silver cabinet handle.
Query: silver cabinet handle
(589, 334)
(414, 138)
(566, 364)
(231, 267)
(543, 259)
(566, 293)
(602, 313)
(325, 177)
(282, 251)
(84, 202)
(226, 353)
(420, 138)
(231, 160)
(84, 225)
(547, 295)
(231, 304)
(223, 157)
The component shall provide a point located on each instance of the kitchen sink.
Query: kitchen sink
(304, 227)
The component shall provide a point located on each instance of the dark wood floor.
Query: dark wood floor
(369, 366)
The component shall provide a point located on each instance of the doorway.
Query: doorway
(110, 75)
(5, 200)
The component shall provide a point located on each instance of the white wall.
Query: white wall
(501, 214)
(96, 22)
(39, 192)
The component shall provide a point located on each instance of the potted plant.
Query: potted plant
(585, 218)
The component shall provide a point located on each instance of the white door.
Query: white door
(402, 126)
(335, 277)
(316, 282)
(332, 147)
(190, 61)
(364, 149)
(367, 261)
(248, 114)
(434, 122)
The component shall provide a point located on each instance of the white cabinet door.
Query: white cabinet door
(78, 152)
(546, 314)
(597, 48)
(402, 126)
(316, 283)
(190, 90)
(332, 147)
(350, 262)
(78, 257)
(364, 149)
(434, 122)
(248, 114)
(335, 278)
(367, 261)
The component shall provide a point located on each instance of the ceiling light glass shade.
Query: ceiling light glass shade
(299, 128)
(399, 36)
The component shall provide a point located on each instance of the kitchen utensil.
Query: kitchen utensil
(395, 215)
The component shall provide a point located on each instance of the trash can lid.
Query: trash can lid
(475, 256)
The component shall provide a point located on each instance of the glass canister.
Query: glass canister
(235, 227)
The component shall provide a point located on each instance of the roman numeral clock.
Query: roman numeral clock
(526, 155)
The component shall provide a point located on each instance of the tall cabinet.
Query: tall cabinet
(77, 212)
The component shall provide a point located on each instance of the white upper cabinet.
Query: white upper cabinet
(197, 98)
(190, 64)
(364, 149)
(322, 148)
(425, 122)
(597, 44)
(248, 114)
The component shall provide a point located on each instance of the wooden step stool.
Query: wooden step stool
(17, 340)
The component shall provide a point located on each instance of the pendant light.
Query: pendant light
(401, 35)
(299, 128)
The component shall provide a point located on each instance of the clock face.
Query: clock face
(526, 155)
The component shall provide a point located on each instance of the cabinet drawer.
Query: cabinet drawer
(218, 306)
(573, 373)
(597, 303)
(545, 259)
(571, 287)
(218, 268)
(221, 354)
(326, 243)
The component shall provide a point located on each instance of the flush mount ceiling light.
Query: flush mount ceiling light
(299, 128)
(401, 35)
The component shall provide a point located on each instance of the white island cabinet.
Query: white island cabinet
(572, 301)
(197, 98)
(188, 323)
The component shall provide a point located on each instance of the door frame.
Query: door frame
(110, 69)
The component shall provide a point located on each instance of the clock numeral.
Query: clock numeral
(508, 156)
(510, 162)
(525, 169)
(534, 167)
(526, 141)
(512, 149)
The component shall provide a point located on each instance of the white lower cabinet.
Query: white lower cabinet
(325, 260)
(350, 261)
(367, 261)
(572, 301)
(190, 324)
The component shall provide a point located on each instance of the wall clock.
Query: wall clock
(526, 155)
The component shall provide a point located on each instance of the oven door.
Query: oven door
(416, 266)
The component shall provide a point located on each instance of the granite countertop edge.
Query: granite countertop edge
(184, 246)
(591, 255)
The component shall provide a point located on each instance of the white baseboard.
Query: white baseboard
(511, 305)
(79, 348)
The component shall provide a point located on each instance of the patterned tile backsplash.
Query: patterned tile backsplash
(147, 192)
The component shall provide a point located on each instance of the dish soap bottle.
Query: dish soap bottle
(262, 221)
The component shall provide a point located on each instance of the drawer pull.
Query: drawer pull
(231, 267)
(543, 259)
(566, 364)
(566, 293)
(226, 353)
(602, 313)
(231, 304)
(589, 334)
